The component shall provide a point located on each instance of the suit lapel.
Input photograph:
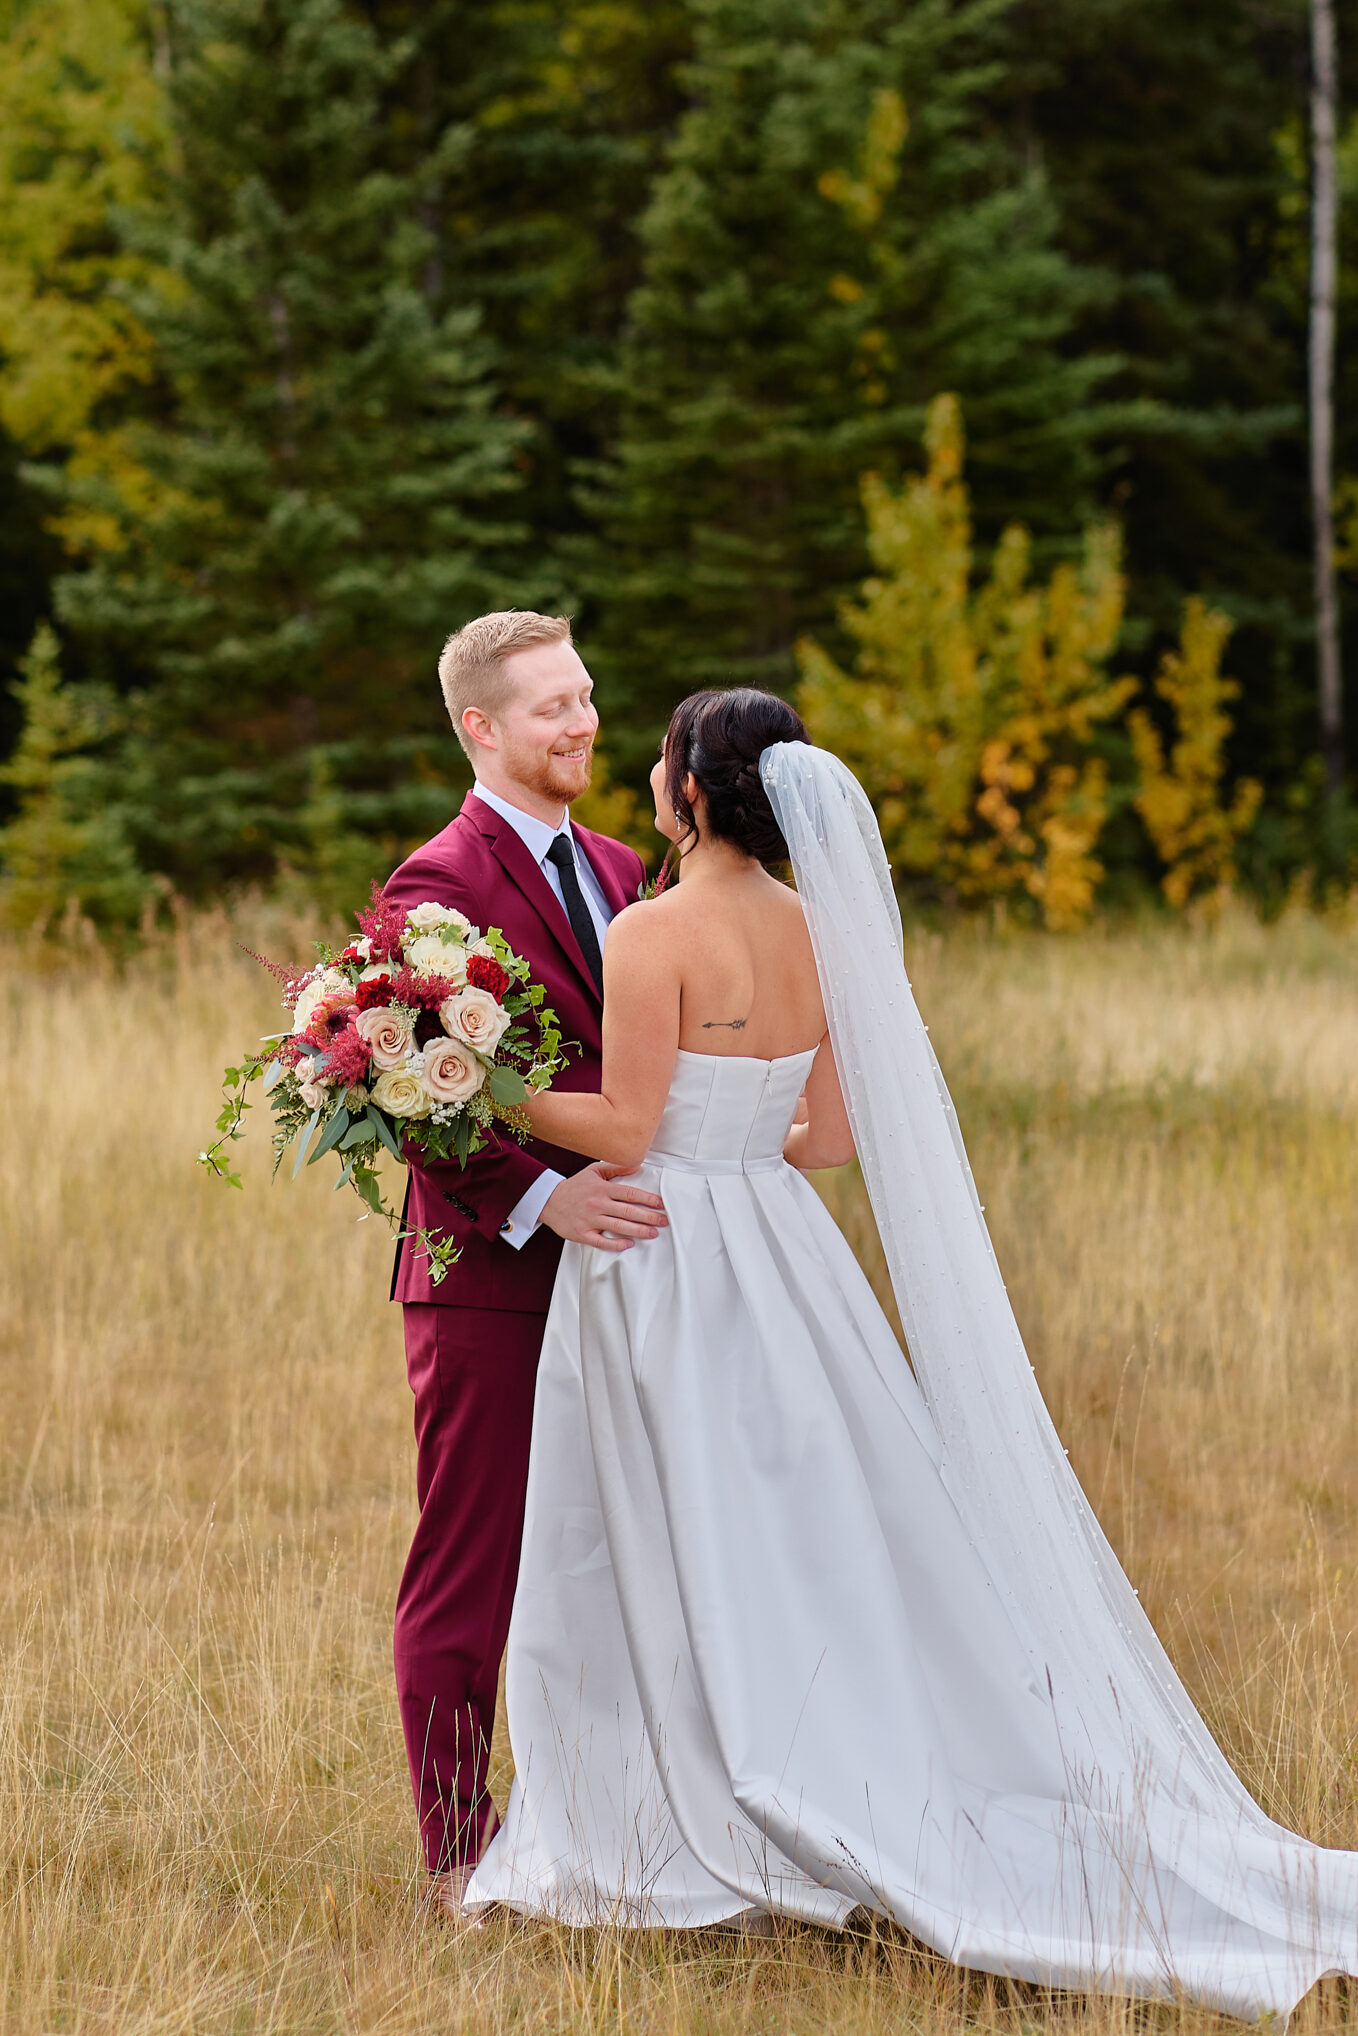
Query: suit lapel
(519, 866)
(594, 848)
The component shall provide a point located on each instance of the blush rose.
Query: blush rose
(476, 1018)
(452, 1073)
(387, 1032)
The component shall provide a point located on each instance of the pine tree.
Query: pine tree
(834, 238)
(327, 485)
(60, 847)
(1173, 139)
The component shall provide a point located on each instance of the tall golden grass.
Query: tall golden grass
(207, 1480)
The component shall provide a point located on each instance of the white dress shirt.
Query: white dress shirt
(537, 837)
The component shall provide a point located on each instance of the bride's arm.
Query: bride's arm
(822, 1137)
(641, 1039)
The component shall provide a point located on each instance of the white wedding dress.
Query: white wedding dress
(782, 1640)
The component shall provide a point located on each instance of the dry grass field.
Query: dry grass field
(206, 1481)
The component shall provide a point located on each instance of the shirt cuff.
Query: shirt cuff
(524, 1218)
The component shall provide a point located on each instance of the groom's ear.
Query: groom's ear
(479, 728)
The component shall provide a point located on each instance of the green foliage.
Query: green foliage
(1175, 141)
(973, 715)
(60, 846)
(323, 326)
(832, 236)
(325, 498)
(82, 127)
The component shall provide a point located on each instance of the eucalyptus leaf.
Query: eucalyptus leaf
(305, 1140)
(506, 1085)
(359, 1133)
(383, 1130)
(332, 1134)
(272, 1073)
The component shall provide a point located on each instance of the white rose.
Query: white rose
(397, 1091)
(483, 947)
(452, 1073)
(364, 948)
(427, 953)
(375, 969)
(387, 1031)
(474, 1016)
(427, 918)
(435, 957)
(326, 986)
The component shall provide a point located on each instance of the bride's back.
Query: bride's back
(748, 974)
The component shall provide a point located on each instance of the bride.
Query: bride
(801, 1626)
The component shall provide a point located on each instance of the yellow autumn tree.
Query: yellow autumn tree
(83, 128)
(971, 715)
(1181, 796)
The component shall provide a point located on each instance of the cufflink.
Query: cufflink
(506, 1228)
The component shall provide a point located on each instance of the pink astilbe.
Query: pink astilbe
(384, 926)
(346, 1059)
(420, 992)
(283, 972)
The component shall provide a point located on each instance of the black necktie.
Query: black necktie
(577, 911)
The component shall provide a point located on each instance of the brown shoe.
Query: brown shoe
(446, 1892)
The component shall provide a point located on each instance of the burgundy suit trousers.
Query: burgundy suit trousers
(472, 1371)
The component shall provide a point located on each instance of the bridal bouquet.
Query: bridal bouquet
(414, 1039)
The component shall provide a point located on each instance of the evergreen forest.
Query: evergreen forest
(940, 363)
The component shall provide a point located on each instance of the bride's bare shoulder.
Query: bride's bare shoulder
(648, 918)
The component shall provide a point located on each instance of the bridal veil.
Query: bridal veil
(1139, 1761)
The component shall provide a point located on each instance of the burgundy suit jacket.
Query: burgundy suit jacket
(478, 865)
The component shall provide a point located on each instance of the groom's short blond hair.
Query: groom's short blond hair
(472, 668)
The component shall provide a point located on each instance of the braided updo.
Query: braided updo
(719, 737)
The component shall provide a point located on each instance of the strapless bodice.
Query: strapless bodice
(727, 1112)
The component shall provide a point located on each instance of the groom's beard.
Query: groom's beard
(555, 777)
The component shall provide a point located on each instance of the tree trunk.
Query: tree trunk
(1324, 238)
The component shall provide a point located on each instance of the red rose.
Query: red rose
(485, 974)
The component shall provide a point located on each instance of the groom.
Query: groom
(519, 699)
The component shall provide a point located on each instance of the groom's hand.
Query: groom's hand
(595, 1207)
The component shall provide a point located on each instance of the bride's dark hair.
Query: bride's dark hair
(719, 737)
